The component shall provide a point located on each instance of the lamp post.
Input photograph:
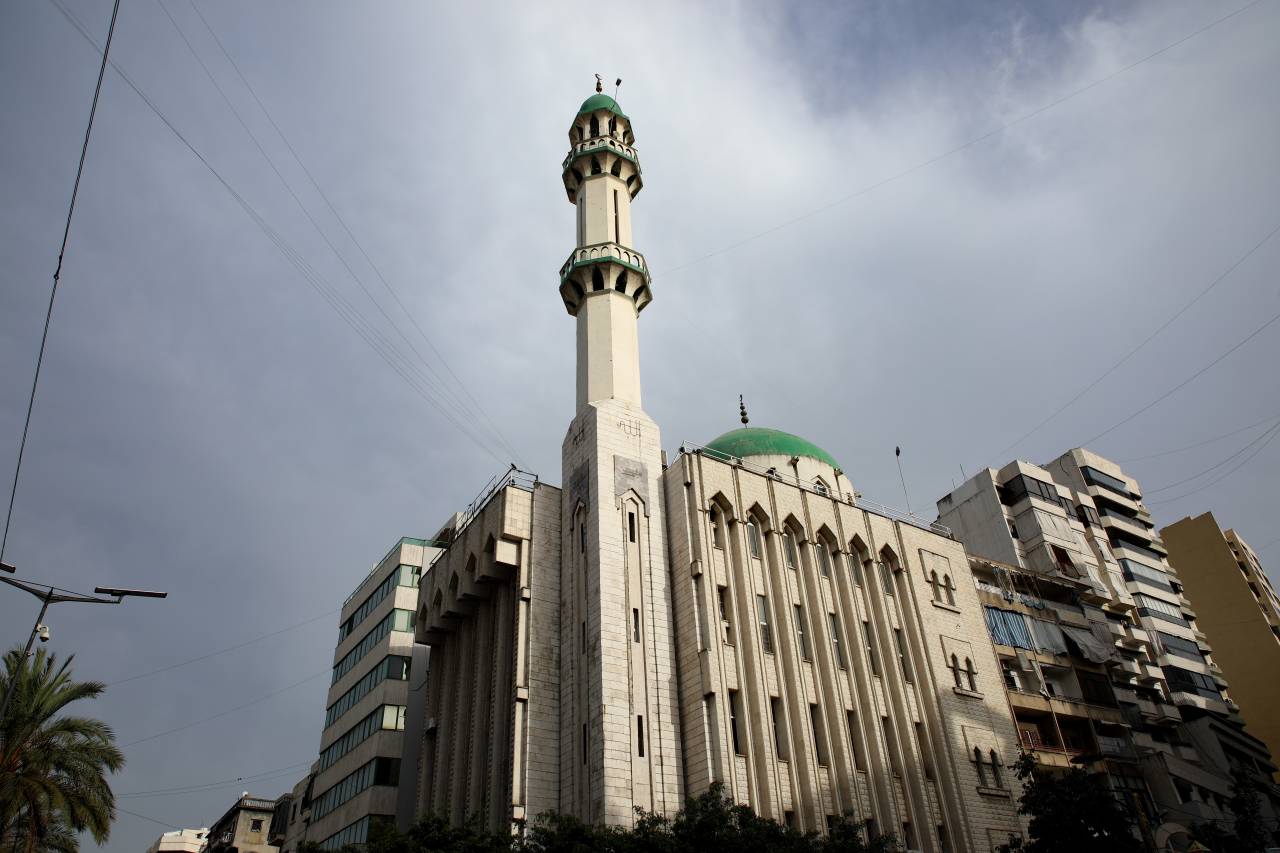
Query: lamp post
(54, 595)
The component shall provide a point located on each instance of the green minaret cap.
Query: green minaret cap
(600, 101)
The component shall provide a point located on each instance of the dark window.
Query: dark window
(617, 229)
(819, 736)
(824, 558)
(640, 735)
(859, 760)
(635, 624)
(789, 549)
(753, 539)
(631, 526)
(836, 644)
(903, 661)
(733, 722)
(802, 634)
(722, 595)
(1096, 478)
(779, 742)
(766, 633)
(255, 825)
(584, 743)
(595, 126)
(871, 647)
(1191, 682)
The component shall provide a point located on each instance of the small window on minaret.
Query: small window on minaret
(635, 624)
(617, 229)
(620, 284)
(595, 166)
(640, 734)
(597, 279)
(616, 169)
(595, 126)
(631, 526)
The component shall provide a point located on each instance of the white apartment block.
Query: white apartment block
(737, 616)
(1080, 522)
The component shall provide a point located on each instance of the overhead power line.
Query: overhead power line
(1270, 436)
(57, 274)
(1184, 383)
(1167, 323)
(965, 145)
(347, 312)
(196, 787)
(223, 651)
(264, 697)
(1201, 443)
(431, 377)
(1211, 468)
(351, 235)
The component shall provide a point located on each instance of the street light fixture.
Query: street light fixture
(54, 595)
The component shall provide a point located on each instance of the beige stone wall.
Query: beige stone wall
(884, 746)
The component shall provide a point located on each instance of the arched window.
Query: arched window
(970, 675)
(717, 526)
(595, 126)
(977, 763)
(616, 168)
(595, 166)
(824, 557)
(789, 548)
(577, 133)
(620, 284)
(995, 770)
(949, 588)
(933, 584)
(753, 538)
(453, 587)
(955, 671)
(613, 126)
(597, 279)
(820, 487)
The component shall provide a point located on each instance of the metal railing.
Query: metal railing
(513, 476)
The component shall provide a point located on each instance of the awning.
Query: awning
(1048, 637)
(1091, 648)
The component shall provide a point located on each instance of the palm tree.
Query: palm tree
(52, 768)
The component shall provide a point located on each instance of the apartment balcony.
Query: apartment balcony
(1024, 701)
(1130, 526)
(1149, 672)
(1124, 694)
(1129, 667)
(1135, 638)
(1115, 497)
(1070, 706)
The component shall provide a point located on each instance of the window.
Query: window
(954, 666)
(949, 586)
(753, 539)
(1012, 681)
(886, 576)
(1186, 681)
(595, 127)
(926, 760)
(995, 770)
(977, 764)
(779, 742)
(582, 537)
(734, 716)
(255, 825)
(722, 595)
(762, 614)
(859, 760)
(635, 624)
(1013, 529)
(1149, 605)
(971, 675)
(935, 586)
(824, 558)
(871, 647)
(1094, 477)
(1088, 515)
(1177, 646)
(789, 548)
(617, 229)
(802, 634)
(631, 526)
(584, 638)
(584, 743)
(903, 661)
(819, 736)
(1135, 571)
(717, 527)
(891, 746)
(640, 735)
(836, 645)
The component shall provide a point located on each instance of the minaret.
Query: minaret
(620, 735)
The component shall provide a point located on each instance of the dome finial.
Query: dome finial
(742, 411)
(599, 84)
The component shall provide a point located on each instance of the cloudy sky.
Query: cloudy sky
(229, 413)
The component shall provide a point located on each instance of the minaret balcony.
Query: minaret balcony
(601, 155)
(604, 266)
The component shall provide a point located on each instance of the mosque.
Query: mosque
(734, 614)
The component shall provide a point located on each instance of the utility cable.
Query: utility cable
(120, 808)
(1112, 369)
(220, 714)
(57, 273)
(1199, 474)
(200, 786)
(969, 144)
(344, 309)
(1201, 443)
(248, 642)
(359, 246)
(1184, 382)
(1271, 434)
(433, 381)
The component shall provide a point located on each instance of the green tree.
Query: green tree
(53, 767)
(1248, 833)
(1070, 812)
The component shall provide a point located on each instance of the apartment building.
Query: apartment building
(1080, 519)
(180, 841)
(353, 785)
(244, 828)
(1238, 610)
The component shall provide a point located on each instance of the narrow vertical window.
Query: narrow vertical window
(819, 736)
(859, 760)
(722, 595)
(977, 763)
(836, 645)
(584, 743)
(950, 589)
(635, 624)
(886, 575)
(802, 633)
(717, 527)
(789, 549)
(995, 770)
(584, 637)
(640, 735)
(762, 614)
(955, 671)
(971, 674)
(933, 583)
(871, 647)
(904, 662)
(617, 229)
(926, 758)
(891, 746)
(824, 558)
(733, 722)
(779, 742)
(582, 537)
(753, 539)
(631, 527)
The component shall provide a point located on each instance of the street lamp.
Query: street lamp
(54, 595)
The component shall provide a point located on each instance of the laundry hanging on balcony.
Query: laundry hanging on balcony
(1089, 647)
(1048, 637)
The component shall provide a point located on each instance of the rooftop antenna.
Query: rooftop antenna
(599, 84)
(897, 452)
(742, 411)
(616, 85)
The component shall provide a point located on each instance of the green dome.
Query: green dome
(755, 441)
(600, 101)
